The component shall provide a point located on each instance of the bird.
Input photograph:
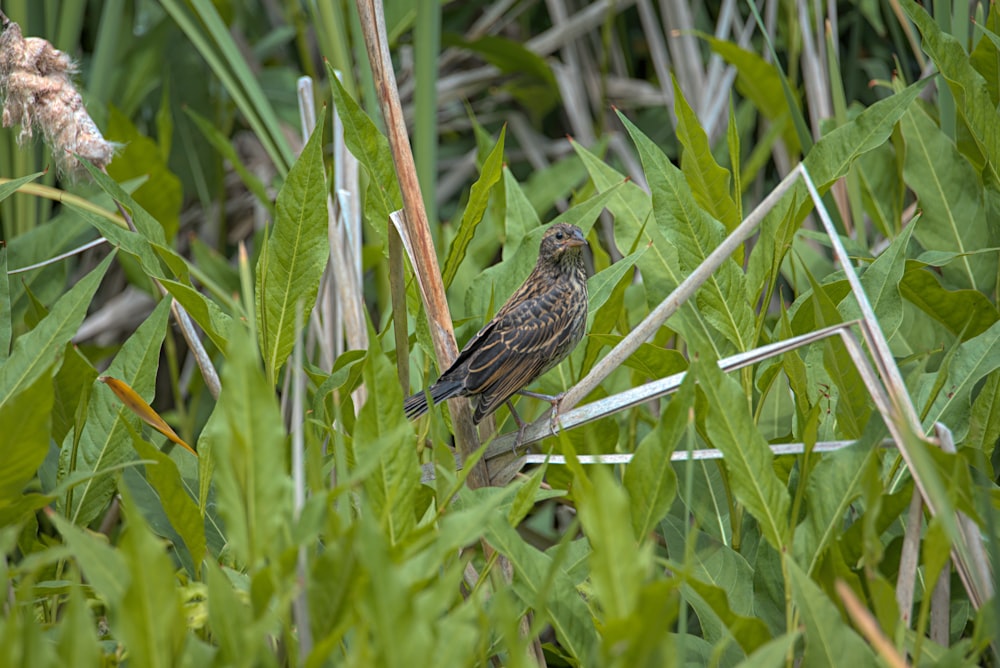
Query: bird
(536, 328)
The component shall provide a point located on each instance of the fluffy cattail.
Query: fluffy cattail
(37, 88)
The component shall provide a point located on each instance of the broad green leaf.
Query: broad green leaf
(972, 96)
(180, 508)
(773, 654)
(231, 619)
(206, 313)
(73, 385)
(950, 194)
(830, 158)
(984, 422)
(829, 640)
(722, 298)
(105, 440)
(746, 455)
(708, 181)
(880, 282)
(291, 265)
(984, 58)
(880, 173)
(619, 563)
(35, 352)
(132, 243)
(974, 359)
(650, 479)
(834, 483)
(145, 224)
(479, 197)
(371, 149)
(25, 420)
(77, 632)
(150, 620)
(384, 438)
(967, 312)
(253, 490)
(543, 584)
(105, 567)
(721, 577)
(601, 284)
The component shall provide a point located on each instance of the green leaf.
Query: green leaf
(180, 508)
(972, 96)
(881, 283)
(830, 158)
(601, 284)
(371, 148)
(77, 638)
(105, 440)
(25, 421)
(35, 352)
(695, 234)
(618, 565)
(231, 619)
(708, 181)
(747, 457)
(773, 654)
(479, 197)
(950, 192)
(290, 267)
(384, 437)
(974, 359)
(833, 485)
(650, 479)
(10, 187)
(150, 620)
(206, 313)
(542, 583)
(105, 567)
(145, 224)
(248, 445)
(968, 313)
(829, 641)
(721, 578)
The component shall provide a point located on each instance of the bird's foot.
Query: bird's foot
(555, 400)
(522, 427)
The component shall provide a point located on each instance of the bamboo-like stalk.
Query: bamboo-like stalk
(417, 229)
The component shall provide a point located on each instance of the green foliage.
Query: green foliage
(306, 532)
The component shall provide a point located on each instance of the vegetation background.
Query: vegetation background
(305, 531)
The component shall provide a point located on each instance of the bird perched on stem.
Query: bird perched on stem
(532, 332)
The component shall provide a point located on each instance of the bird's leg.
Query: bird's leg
(552, 399)
(521, 425)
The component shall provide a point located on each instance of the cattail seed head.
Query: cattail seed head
(38, 94)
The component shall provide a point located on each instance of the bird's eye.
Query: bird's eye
(559, 234)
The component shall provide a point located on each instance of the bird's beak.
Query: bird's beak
(576, 240)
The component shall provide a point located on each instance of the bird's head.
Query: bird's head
(562, 242)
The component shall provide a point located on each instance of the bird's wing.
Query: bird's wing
(517, 349)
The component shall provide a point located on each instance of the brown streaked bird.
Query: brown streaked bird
(532, 332)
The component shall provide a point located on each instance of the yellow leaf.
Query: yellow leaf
(137, 405)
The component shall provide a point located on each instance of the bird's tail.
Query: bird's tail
(416, 405)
